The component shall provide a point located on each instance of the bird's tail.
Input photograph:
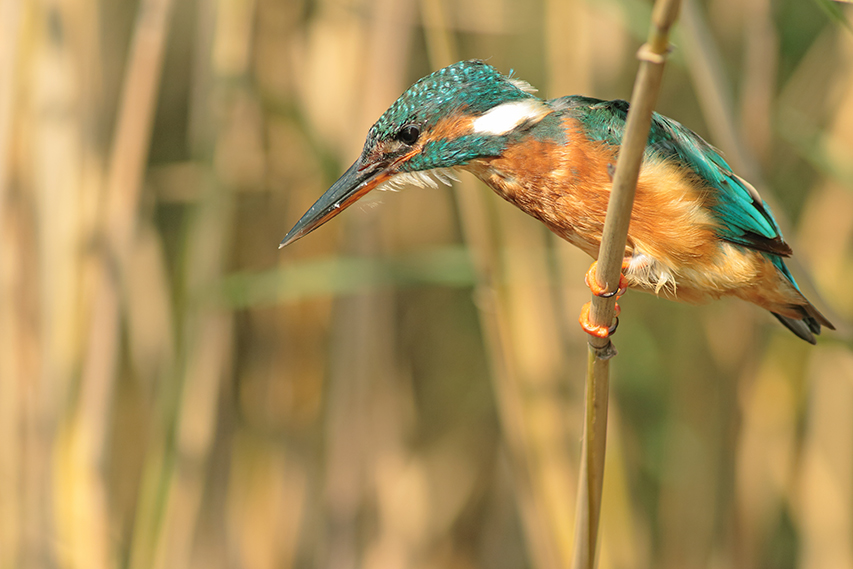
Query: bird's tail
(808, 324)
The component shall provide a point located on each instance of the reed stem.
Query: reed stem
(652, 57)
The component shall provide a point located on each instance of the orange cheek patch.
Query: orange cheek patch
(452, 126)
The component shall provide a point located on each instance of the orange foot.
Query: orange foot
(592, 282)
(589, 327)
(594, 330)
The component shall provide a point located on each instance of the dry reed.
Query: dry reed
(174, 391)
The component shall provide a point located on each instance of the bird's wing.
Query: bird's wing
(743, 216)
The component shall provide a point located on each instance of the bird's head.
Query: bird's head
(460, 113)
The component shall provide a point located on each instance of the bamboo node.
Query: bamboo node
(646, 53)
(605, 352)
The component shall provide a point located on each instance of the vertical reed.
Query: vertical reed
(652, 57)
(361, 411)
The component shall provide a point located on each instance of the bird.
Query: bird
(698, 231)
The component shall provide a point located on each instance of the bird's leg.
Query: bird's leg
(592, 283)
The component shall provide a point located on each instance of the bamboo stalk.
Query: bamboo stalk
(360, 434)
(127, 163)
(10, 24)
(128, 155)
(713, 90)
(652, 57)
(546, 528)
(11, 324)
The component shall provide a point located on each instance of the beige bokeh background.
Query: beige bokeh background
(403, 387)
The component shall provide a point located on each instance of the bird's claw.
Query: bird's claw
(595, 330)
(592, 283)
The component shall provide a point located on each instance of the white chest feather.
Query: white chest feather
(647, 272)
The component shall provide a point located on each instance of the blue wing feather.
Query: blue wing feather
(744, 217)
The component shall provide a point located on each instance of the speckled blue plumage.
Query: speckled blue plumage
(449, 152)
(470, 85)
(473, 85)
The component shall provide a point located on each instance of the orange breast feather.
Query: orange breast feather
(672, 241)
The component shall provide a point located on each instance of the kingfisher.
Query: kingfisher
(698, 231)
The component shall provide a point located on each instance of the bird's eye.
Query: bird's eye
(409, 134)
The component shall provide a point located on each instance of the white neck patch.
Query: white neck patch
(504, 118)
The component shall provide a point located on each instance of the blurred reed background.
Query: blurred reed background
(402, 388)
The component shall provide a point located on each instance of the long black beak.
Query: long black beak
(353, 184)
